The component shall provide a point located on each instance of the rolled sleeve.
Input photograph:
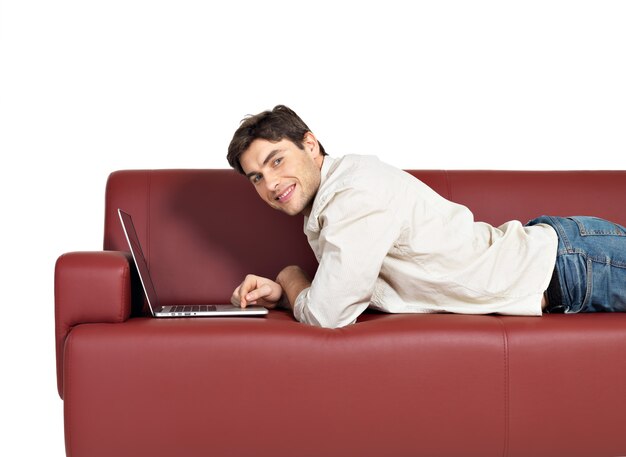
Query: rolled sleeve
(305, 313)
(301, 309)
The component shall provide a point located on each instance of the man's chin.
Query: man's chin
(284, 209)
(292, 210)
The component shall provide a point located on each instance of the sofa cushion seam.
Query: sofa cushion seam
(448, 185)
(506, 387)
(66, 388)
(125, 279)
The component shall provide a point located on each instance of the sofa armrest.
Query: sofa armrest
(89, 287)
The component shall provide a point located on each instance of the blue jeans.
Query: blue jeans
(590, 271)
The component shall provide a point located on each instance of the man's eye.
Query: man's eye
(278, 161)
(256, 178)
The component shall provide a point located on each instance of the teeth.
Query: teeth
(284, 193)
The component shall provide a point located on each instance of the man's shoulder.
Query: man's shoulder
(357, 161)
(360, 177)
(359, 170)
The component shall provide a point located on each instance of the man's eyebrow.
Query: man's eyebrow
(270, 155)
(267, 159)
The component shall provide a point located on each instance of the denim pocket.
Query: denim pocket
(594, 226)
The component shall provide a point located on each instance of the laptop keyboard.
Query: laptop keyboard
(192, 308)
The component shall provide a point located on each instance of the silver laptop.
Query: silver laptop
(159, 310)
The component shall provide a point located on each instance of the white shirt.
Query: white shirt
(384, 239)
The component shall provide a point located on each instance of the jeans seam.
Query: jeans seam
(589, 282)
(561, 233)
(588, 285)
(603, 261)
(583, 231)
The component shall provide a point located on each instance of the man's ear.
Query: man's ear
(310, 144)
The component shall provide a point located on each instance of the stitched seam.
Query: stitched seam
(66, 389)
(125, 274)
(589, 282)
(583, 231)
(506, 387)
(562, 235)
(606, 261)
(448, 185)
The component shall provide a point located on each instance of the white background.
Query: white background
(88, 87)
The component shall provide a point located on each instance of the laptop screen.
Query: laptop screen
(140, 260)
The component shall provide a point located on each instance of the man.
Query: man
(385, 240)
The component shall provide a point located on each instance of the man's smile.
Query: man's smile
(286, 194)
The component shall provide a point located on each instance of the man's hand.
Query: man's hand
(256, 290)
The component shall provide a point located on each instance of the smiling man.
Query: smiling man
(287, 185)
(385, 240)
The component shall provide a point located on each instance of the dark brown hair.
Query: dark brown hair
(275, 125)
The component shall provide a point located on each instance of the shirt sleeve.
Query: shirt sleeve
(357, 230)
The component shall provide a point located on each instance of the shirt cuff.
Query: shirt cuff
(300, 305)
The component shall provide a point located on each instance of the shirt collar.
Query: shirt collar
(311, 223)
(326, 165)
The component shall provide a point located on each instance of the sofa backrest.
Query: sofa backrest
(204, 230)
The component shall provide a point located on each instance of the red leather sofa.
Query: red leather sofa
(389, 385)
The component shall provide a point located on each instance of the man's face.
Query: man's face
(284, 175)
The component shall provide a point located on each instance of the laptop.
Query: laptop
(160, 310)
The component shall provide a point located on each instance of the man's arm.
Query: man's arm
(293, 280)
(358, 228)
(262, 291)
(355, 238)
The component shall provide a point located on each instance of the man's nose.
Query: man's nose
(271, 182)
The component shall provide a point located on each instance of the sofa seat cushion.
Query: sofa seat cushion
(322, 388)
(466, 379)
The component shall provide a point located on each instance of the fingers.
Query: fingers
(235, 298)
(254, 295)
(246, 293)
(249, 284)
(255, 288)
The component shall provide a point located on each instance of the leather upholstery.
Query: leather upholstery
(415, 385)
(203, 230)
(89, 287)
